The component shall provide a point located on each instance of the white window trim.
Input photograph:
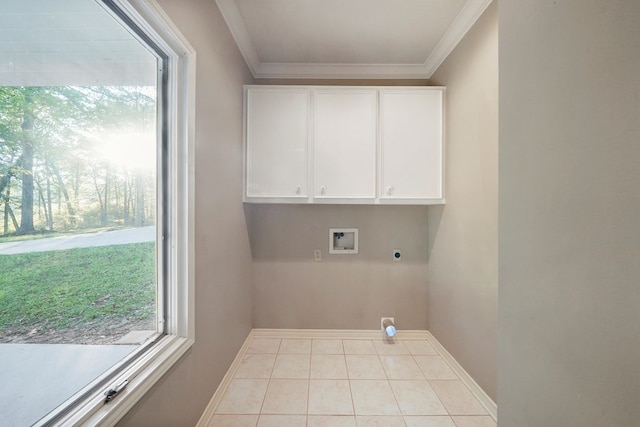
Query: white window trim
(180, 328)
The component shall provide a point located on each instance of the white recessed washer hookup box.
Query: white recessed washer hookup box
(343, 240)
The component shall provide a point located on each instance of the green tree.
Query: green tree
(26, 163)
(49, 137)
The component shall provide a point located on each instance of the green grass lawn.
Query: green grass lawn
(64, 289)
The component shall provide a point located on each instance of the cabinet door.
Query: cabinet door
(345, 143)
(411, 144)
(277, 141)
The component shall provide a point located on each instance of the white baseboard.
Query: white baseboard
(336, 334)
(210, 410)
(477, 391)
(484, 399)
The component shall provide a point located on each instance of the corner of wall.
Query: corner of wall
(463, 255)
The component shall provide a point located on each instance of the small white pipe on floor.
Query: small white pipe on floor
(389, 327)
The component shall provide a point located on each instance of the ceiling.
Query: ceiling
(391, 39)
(78, 42)
(69, 42)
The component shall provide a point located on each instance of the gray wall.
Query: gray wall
(341, 291)
(463, 235)
(223, 258)
(291, 290)
(569, 213)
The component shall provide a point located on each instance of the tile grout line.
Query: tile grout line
(436, 392)
(265, 393)
(211, 407)
(388, 380)
(264, 398)
(379, 352)
(306, 419)
(413, 356)
(467, 380)
(353, 403)
(395, 398)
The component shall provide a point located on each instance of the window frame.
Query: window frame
(176, 235)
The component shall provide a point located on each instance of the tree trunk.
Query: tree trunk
(8, 212)
(139, 200)
(98, 192)
(48, 206)
(26, 212)
(5, 223)
(7, 197)
(6, 179)
(105, 211)
(42, 203)
(65, 193)
(76, 189)
(116, 193)
(5, 182)
(126, 197)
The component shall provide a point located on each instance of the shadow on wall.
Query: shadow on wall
(435, 217)
(294, 232)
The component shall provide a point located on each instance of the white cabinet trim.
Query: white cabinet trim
(425, 138)
(312, 196)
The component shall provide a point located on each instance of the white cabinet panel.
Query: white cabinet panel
(345, 122)
(411, 128)
(344, 144)
(277, 123)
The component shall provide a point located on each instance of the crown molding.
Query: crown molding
(469, 14)
(339, 71)
(239, 32)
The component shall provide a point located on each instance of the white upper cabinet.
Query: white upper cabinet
(277, 135)
(411, 131)
(344, 144)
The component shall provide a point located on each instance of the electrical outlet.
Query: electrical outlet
(317, 255)
(382, 319)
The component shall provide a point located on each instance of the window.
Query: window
(96, 122)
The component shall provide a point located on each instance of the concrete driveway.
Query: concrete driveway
(102, 238)
(36, 378)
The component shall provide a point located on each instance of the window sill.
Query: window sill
(142, 375)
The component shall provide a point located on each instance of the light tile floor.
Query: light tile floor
(324, 382)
